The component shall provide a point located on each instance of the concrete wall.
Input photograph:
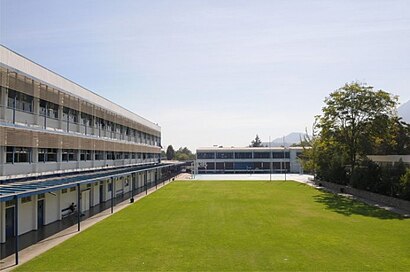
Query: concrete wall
(386, 200)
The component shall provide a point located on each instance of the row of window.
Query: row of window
(24, 102)
(244, 166)
(25, 154)
(243, 155)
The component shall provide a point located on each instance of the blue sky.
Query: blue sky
(216, 72)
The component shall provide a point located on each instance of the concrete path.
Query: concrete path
(30, 252)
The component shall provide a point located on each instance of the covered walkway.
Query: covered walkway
(19, 190)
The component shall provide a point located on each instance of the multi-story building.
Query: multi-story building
(236, 160)
(57, 138)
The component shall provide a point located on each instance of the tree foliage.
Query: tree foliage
(184, 154)
(170, 152)
(357, 121)
(256, 142)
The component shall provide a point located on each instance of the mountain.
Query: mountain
(292, 138)
(404, 111)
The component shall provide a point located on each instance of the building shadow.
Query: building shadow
(347, 206)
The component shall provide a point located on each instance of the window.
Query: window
(85, 155)
(118, 155)
(10, 154)
(18, 154)
(224, 155)
(206, 155)
(64, 191)
(72, 189)
(99, 155)
(133, 156)
(280, 155)
(261, 155)
(25, 199)
(24, 102)
(110, 155)
(47, 155)
(69, 155)
(10, 203)
(41, 196)
(126, 155)
(70, 114)
(243, 155)
(48, 108)
(86, 119)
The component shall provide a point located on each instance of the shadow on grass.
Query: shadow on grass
(348, 207)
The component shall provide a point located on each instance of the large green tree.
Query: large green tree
(356, 121)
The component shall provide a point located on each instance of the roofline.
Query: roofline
(8, 65)
(250, 148)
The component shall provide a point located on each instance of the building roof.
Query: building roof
(27, 188)
(15, 61)
(273, 148)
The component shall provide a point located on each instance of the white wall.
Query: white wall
(52, 212)
(27, 215)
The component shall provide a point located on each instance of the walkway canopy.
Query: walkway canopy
(28, 188)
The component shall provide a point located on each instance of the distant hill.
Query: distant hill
(292, 138)
(404, 111)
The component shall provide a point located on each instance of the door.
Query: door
(101, 193)
(40, 213)
(10, 228)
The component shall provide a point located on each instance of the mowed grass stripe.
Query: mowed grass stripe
(238, 225)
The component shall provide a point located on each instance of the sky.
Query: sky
(217, 72)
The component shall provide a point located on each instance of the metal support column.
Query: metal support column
(112, 195)
(16, 228)
(14, 108)
(78, 207)
(146, 182)
(132, 188)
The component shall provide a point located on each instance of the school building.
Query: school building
(61, 144)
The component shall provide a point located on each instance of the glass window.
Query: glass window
(224, 155)
(243, 155)
(69, 155)
(42, 154)
(24, 102)
(9, 154)
(261, 155)
(206, 155)
(22, 154)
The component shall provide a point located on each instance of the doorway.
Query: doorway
(10, 227)
(40, 213)
(101, 193)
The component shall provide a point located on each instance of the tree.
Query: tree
(256, 143)
(184, 154)
(355, 119)
(170, 152)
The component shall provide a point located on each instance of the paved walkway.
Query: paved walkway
(29, 253)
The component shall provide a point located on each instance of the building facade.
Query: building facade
(53, 133)
(234, 160)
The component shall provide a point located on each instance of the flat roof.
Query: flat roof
(28, 188)
(20, 63)
(232, 148)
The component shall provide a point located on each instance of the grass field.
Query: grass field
(238, 225)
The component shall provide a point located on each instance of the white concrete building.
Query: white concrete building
(237, 160)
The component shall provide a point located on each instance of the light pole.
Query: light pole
(284, 156)
(270, 160)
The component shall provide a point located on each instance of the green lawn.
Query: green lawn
(238, 225)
